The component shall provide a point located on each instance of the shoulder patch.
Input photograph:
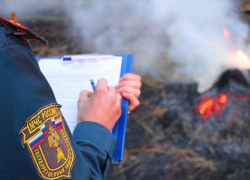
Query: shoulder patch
(48, 143)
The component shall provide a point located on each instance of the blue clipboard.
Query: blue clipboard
(119, 131)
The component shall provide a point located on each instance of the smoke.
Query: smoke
(27, 7)
(197, 44)
(122, 27)
(197, 41)
(171, 40)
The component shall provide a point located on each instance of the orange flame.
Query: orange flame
(206, 108)
(222, 99)
(207, 105)
(212, 105)
(237, 55)
(227, 34)
(241, 57)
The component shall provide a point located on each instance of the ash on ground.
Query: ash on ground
(168, 138)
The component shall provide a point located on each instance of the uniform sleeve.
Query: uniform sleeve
(96, 144)
(24, 93)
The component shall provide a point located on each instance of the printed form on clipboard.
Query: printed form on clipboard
(69, 75)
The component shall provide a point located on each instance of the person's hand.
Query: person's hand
(129, 87)
(103, 106)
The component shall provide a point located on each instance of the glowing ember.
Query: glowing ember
(223, 99)
(206, 107)
(240, 98)
(212, 105)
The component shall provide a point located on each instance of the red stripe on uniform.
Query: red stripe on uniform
(37, 144)
(45, 133)
(59, 127)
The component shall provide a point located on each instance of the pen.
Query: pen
(92, 84)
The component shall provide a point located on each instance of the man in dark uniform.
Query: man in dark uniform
(35, 140)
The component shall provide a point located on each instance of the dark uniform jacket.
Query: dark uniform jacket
(35, 140)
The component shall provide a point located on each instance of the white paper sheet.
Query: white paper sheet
(67, 79)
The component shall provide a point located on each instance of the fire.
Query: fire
(206, 105)
(222, 99)
(237, 55)
(241, 57)
(216, 105)
(227, 34)
(212, 105)
(206, 108)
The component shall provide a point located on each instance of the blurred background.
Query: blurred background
(194, 119)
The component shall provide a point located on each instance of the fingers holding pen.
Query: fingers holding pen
(117, 95)
(84, 95)
(102, 85)
(103, 106)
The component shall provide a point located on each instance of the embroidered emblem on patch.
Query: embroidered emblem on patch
(48, 143)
